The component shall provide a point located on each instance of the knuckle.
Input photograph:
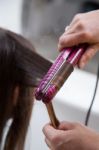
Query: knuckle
(55, 139)
(44, 129)
(87, 35)
(77, 16)
(83, 35)
(61, 40)
(77, 124)
(81, 24)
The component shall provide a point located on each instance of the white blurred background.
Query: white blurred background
(10, 14)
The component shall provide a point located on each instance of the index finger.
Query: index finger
(49, 131)
(71, 40)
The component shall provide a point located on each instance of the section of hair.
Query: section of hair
(21, 68)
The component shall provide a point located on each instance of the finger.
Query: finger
(67, 28)
(71, 40)
(76, 18)
(47, 142)
(49, 131)
(90, 52)
(76, 28)
(66, 126)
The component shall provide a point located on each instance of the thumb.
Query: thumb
(89, 53)
(66, 126)
(49, 131)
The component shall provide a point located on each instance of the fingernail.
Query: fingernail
(59, 47)
(61, 39)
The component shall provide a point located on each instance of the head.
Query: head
(21, 69)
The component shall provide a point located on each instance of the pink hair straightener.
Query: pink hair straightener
(56, 76)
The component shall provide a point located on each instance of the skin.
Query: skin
(71, 136)
(84, 28)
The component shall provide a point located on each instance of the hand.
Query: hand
(84, 28)
(71, 136)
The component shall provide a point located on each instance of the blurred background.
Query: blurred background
(43, 21)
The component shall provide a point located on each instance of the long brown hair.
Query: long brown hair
(21, 69)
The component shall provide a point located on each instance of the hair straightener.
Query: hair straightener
(56, 76)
